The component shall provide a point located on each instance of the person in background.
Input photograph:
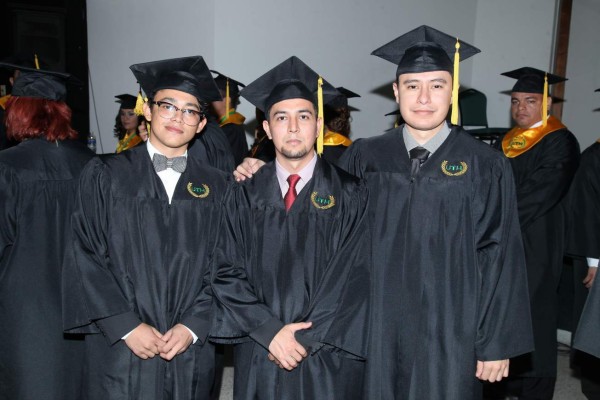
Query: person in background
(229, 120)
(337, 124)
(544, 156)
(38, 185)
(129, 128)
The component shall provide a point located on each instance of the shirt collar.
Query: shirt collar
(431, 145)
(152, 150)
(305, 173)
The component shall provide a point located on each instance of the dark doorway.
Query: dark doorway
(55, 30)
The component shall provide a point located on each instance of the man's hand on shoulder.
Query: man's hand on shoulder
(247, 168)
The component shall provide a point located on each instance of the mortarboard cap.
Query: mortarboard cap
(187, 74)
(597, 90)
(424, 49)
(341, 101)
(292, 79)
(531, 80)
(127, 101)
(222, 80)
(39, 83)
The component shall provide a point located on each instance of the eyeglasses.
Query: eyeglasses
(168, 110)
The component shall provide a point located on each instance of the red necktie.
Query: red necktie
(291, 194)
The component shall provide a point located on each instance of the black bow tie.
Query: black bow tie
(176, 163)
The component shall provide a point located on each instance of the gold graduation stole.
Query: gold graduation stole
(335, 139)
(518, 140)
(3, 101)
(233, 117)
(130, 140)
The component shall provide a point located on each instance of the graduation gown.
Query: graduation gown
(449, 280)
(38, 184)
(141, 259)
(334, 145)
(542, 177)
(211, 147)
(584, 241)
(311, 264)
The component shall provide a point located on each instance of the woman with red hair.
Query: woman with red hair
(38, 186)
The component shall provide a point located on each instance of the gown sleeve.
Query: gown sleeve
(504, 326)
(96, 290)
(240, 313)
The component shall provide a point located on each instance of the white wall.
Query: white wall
(246, 38)
(511, 34)
(125, 32)
(583, 71)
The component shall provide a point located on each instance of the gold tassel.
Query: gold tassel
(227, 100)
(320, 115)
(148, 129)
(455, 86)
(139, 104)
(37, 63)
(545, 102)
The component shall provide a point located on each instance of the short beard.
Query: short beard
(294, 155)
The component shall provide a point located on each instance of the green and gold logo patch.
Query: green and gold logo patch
(454, 168)
(518, 142)
(201, 191)
(322, 203)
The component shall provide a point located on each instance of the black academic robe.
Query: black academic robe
(141, 259)
(38, 185)
(542, 177)
(236, 135)
(311, 264)
(212, 147)
(584, 241)
(449, 280)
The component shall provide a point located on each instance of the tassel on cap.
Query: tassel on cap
(320, 115)
(37, 62)
(545, 102)
(455, 85)
(139, 104)
(227, 99)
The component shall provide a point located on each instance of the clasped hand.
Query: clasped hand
(146, 342)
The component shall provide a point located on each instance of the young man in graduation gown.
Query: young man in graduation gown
(449, 303)
(143, 243)
(38, 186)
(230, 121)
(292, 272)
(544, 156)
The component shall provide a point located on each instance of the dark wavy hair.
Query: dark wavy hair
(337, 119)
(31, 117)
(119, 130)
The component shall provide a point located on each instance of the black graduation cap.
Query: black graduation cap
(424, 49)
(127, 101)
(531, 80)
(292, 79)
(395, 112)
(221, 81)
(341, 101)
(39, 83)
(597, 90)
(187, 74)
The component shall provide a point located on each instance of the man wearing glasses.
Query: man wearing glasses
(144, 233)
